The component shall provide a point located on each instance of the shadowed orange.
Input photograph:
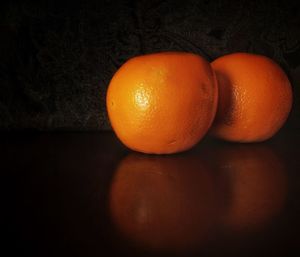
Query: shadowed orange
(255, 98)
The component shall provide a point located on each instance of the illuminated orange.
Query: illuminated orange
(162, 103)
(164, 203)
(255, 97)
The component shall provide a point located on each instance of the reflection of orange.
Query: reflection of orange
(163, 102)
(164, 203)
(256, 186)
(255, 97)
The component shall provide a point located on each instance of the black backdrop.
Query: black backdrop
(57, 59)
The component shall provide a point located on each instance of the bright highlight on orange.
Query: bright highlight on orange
(142, 98)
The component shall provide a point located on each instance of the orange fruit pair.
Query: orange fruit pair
(166, 102)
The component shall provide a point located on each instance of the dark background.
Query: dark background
(57, 59)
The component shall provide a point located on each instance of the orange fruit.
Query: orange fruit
(162, 103)
(255, 97)
(163, 203)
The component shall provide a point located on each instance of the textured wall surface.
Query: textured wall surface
(57, 60)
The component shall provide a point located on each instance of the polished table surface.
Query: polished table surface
(85, 194)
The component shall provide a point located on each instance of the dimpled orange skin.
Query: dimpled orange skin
(255, 98)
(162, 103)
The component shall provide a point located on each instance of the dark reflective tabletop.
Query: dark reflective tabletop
(85, 194)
